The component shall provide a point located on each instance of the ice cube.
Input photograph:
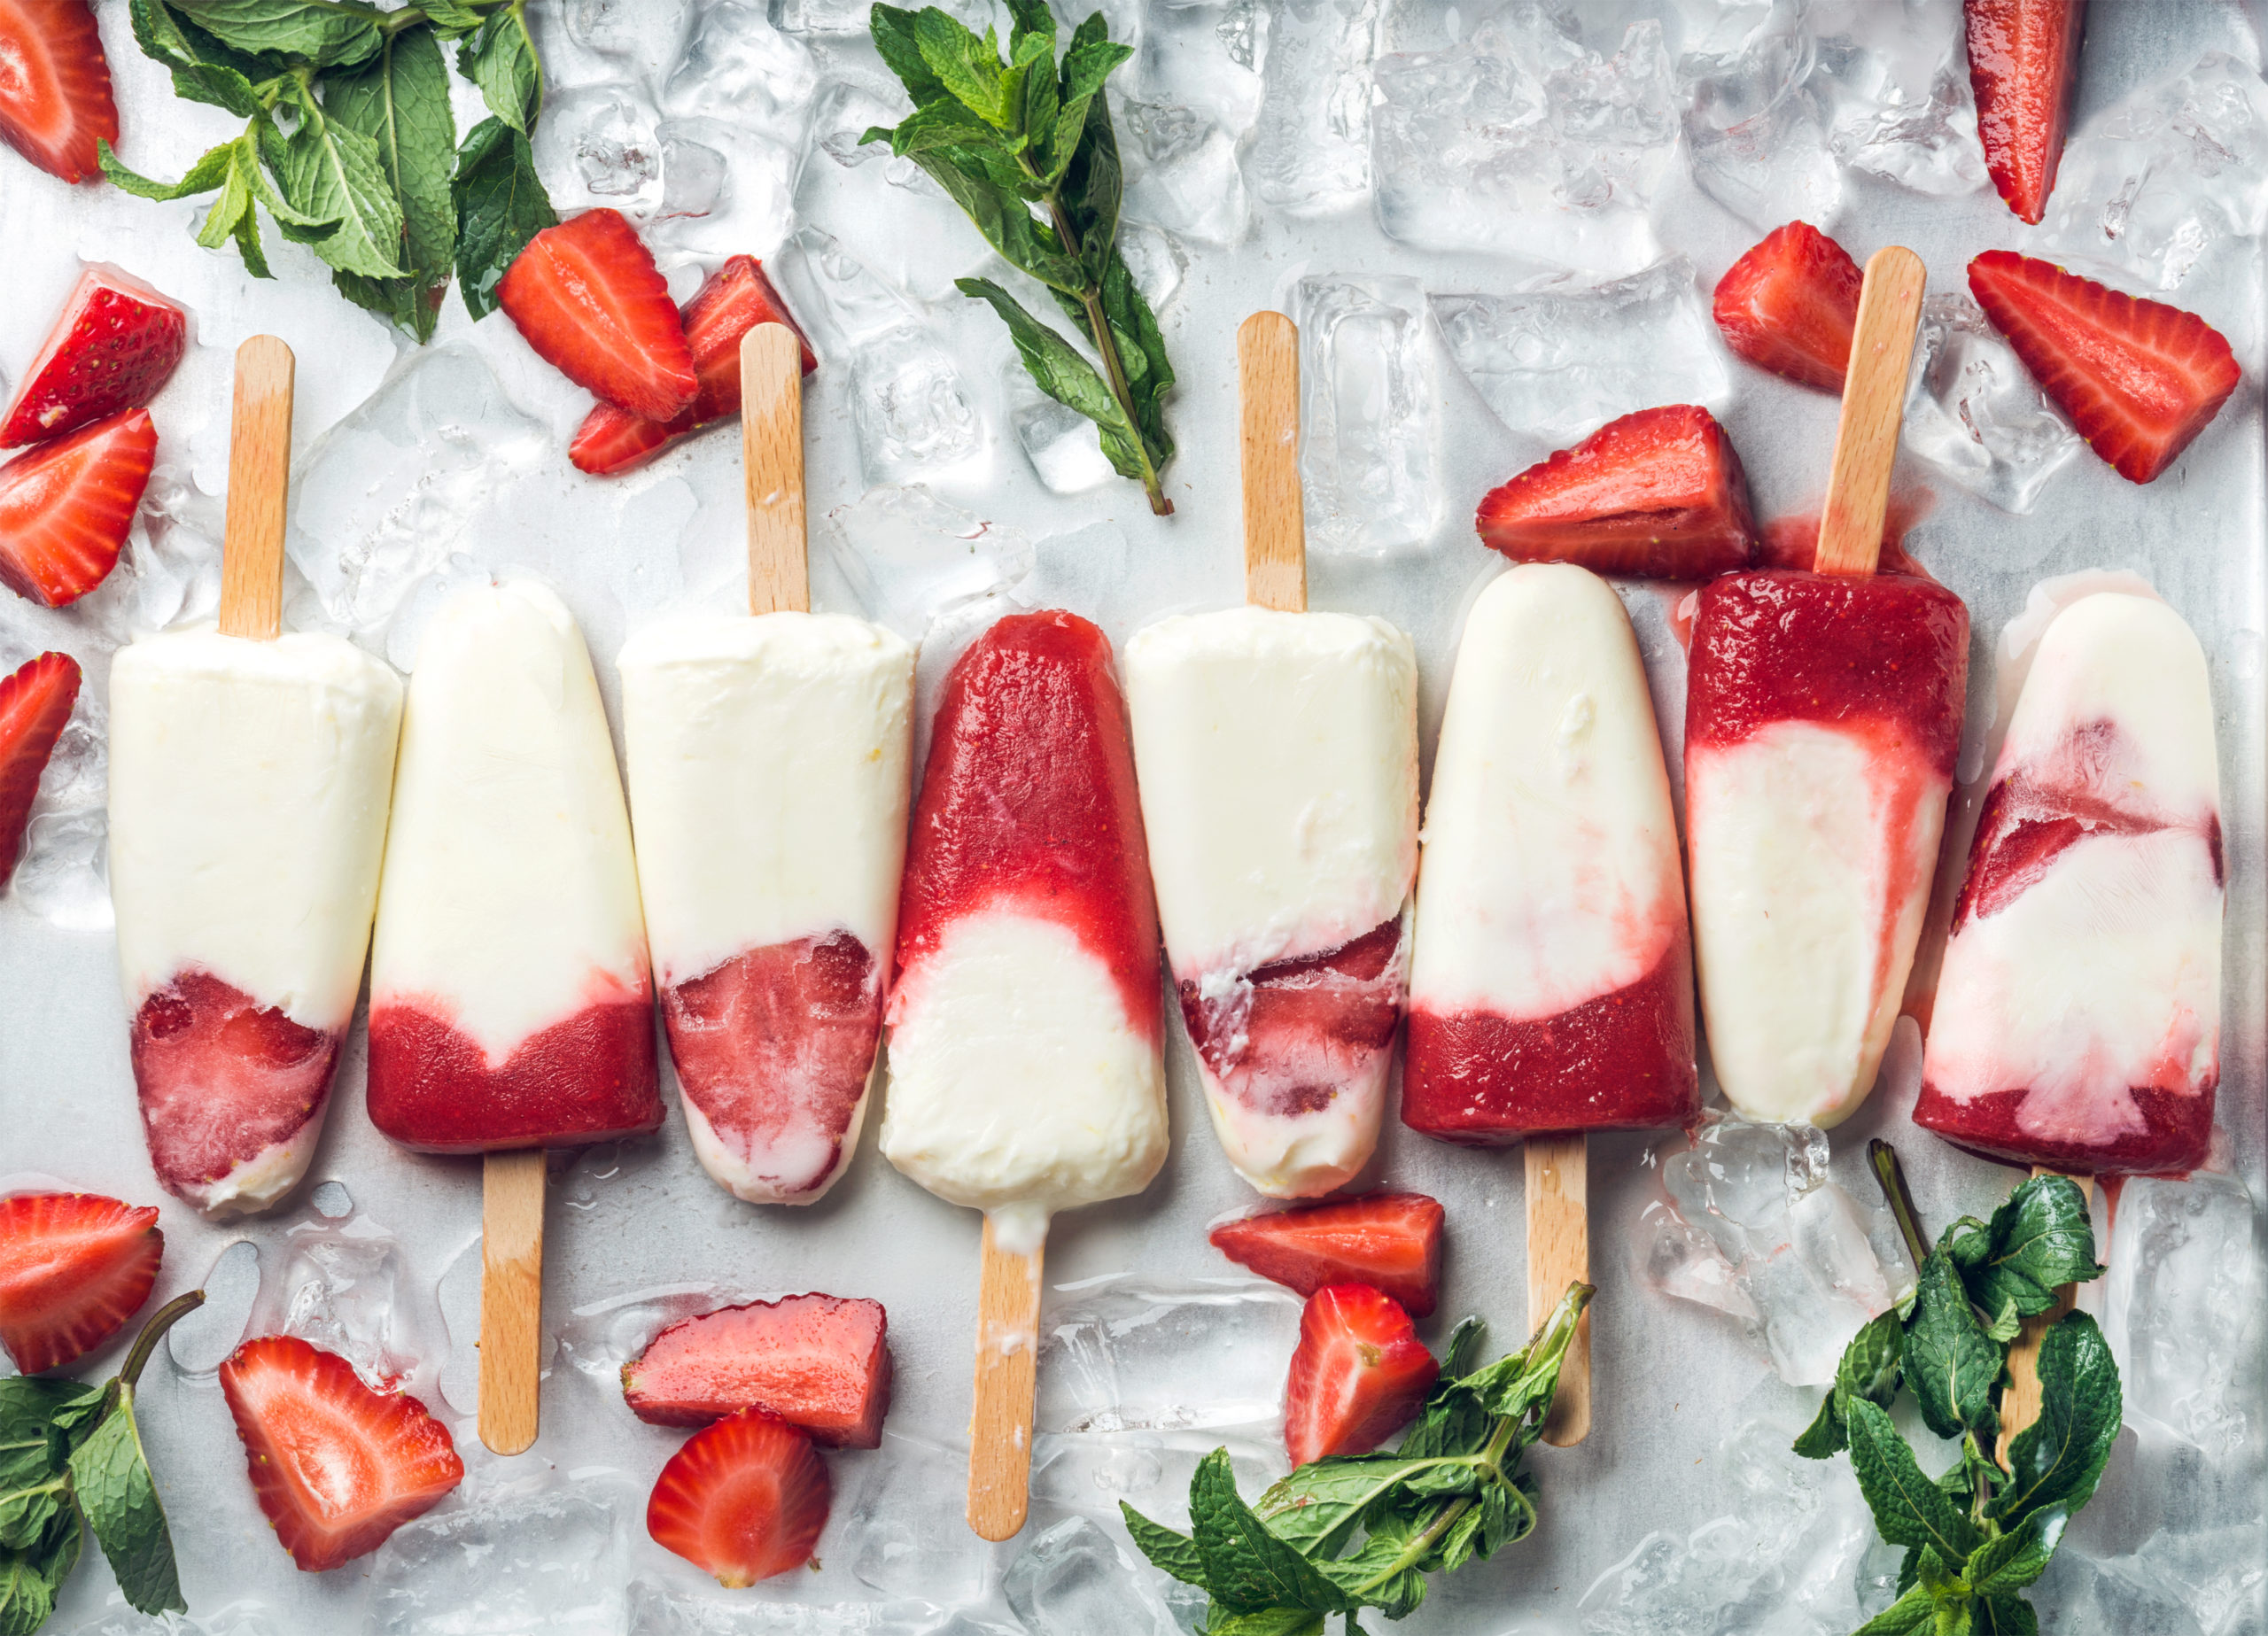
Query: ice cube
(1202, 56)
(1061, 443)
(738, 68)
(846, 108)
(1129, 1352)
(1368, 413)
(1894, 79)
(1093, 1471)
(734, 192)
(2182, 1307)
(200, 1341)
(908, 557)
(849, 16)
(597, 146)
(656, 1610)
(63, 874)
(1755, 132)
(838, 296)
(910, 409)
(693, 176)
(237, 1618)
(647, 33)
(341, 1288)
(1071, 1580)
(1974, 413)
(907, 1533)
(2124, 1594)
(1156, 261)
(1181, 173)
(1310, 150)
(599, 1337)
(548, 1560)
(1561, 362)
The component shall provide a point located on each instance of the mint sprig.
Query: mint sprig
(349, 143)
(1453, 1492)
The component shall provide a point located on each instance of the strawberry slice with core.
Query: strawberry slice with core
(74, 1267)
(35, 707)
(1659, 494)
(744, 1499)
(66, 508)
(1790, 304)
(116, 342)
(1390, 1241)
(815, 1360)
(2140, 379)
(588, 297)
(737, 297)
(55, 100)
(1359, 1375)
(336, 1466)
(2024, 65)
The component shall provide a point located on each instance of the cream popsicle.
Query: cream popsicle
(2077, 1016)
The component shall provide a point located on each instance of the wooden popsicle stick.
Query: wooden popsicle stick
(1874, 404)
(511, 1297)
(2020, 1401)
(1558, 1254)
(1274, 516)
(1007, 1375)
(772, 453)
(260, 480)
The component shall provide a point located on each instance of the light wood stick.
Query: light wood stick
(260, 480)
(1007, 1374)
(2020, 1401)
(511, 1297)
(1873, 403)
(772, 452)
(1558, 1254)
(1275, 517)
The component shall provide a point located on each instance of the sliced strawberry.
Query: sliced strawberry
(1359, 1375)
(2140, 379)
(55, 100)
(1790, 304)
(745, 1499)
(35, 706)
(114, 344)
(815, 1360)
(74, 1267)
(1389, 1241)
(737, 297)
(337, 1466)
(2024, 65)
(589, 300)
(66, 508)
(1659, 494)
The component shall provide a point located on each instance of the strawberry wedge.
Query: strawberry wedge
(1790, 304)
(2140, 379)
(74, 1267)
(55, 98)
(113, 345)
(1359, 1374)
(66, 508)
(817, 1361)
(744, 1499)
(2024, 63)
(1390, 1241)
(35, 704)
(589, 300)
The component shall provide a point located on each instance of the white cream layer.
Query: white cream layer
(260, 1182)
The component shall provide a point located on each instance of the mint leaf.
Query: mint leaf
(1950, 1364)
(896, 32)
(2054, 1462)
(967, 67)
(400, 101)
(2039, 1239)
(501, 60)
(1267, 1622)
(2005, 1565)
(1169, 1552)
(1247, 1568)
(331, 175)
(1870, 1368)
(325, 32)
(1060, 371)
(30, 1450)
(204, 69)
(501, 205)
(2004, 1615)
(1916, 1612)
(210, 171)
(1908, 1508)
(120, 1498)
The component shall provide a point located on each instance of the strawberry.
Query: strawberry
(1659, 494)
(2140, 379)
(744, 1498)
(1390, 1241)
(337, 1466)
(1790, 304)
(589, 300)
(814, 1360)
(115, 343)
(35, 704)
(74, 1267)
(737, 297)
(55, 100)
(66, 508)
(1359, 1375)
(2024, 65)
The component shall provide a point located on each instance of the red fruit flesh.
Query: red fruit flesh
(74, 1267)
(817, 1361)
(336, 1466)
(66, 508)
(1296, 1033)
(55, 97)
(588, 297)
(36, 702)
(114, 344)
(2140, 379)
(1359, 1375)
(737, 297)
(744, 1499)
(1390, 1241)
(1659, 494)
(1790, 304)
(2024, 65)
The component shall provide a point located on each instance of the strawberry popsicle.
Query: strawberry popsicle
(2077, 1016)
(1278, 760)
(1551, 976)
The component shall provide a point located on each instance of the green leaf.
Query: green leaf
(30, 1453)
(451, 17)
(210, 171)
(400, 100)
(1916, 1610)
(943, 124)
(2005, 1616)
(1951, 1365)
(1061, 373)
(2055, 1461)
(204, 69)
(501, 60)
(120, 1498)
(1908, 1508)
(2004, 1565)
(2039, 1239)
(1268, 1621)
(331, 175)
(501, 205)
(1247, 1568)
(1521, 1385)
(967, 67)
(896, 36)
(1169, 1552)
(326, 32)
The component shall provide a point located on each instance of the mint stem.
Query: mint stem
(1113, 367)
(154, 1331)
(1890, 1177)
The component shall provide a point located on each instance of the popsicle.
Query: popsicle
(1026, 1072)
(768, 761)
(249, 782)
(1823, 712)
(1278, 757)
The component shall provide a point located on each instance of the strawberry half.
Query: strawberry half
(1390, 1241)
(815, 1360)
(744, 1499)
(115, 343)
(1659, 494)
(737, 297)
(2140, 379)
(1359, 1375)
(66, 508)
(588, 297)
(338, 1467)
(35, 706)
(55, 100)
(74, 1267)
(1790, 304)
(2024, 65)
